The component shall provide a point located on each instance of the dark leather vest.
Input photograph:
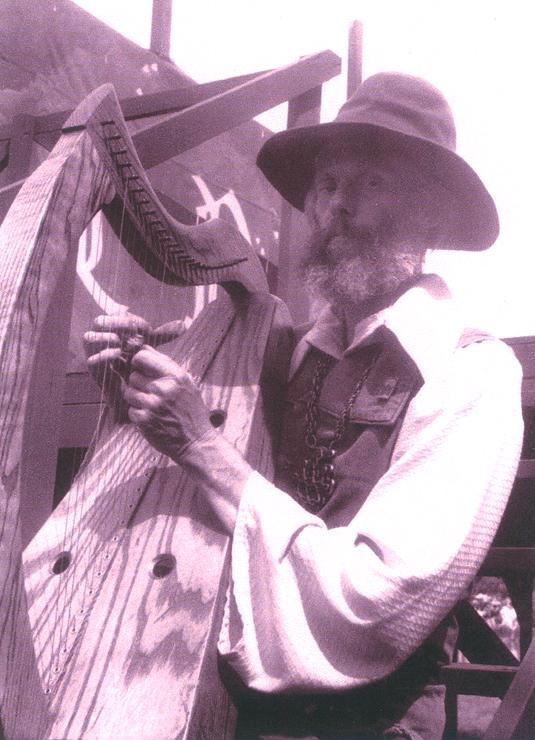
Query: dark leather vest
(364, 451)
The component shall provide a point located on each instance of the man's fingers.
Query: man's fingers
(122, 324)
(165, 333)
(138, 381)
(108, 359)
(154, 364)
(95, 341)
(107, 355)
(141, 417)
(163, 387)
(140, 400)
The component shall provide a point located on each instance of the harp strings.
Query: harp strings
(83, 509)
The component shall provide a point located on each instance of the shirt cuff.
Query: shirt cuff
(265, 508)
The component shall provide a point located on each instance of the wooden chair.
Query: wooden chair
(493, 670)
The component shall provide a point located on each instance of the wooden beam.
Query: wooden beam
(302, 111)
(17, 152)
(160, 32)
(48, 127)
(526, 469)
(16, 155)
(519, 585)
(217, 105)
(515, 717)
(4, 153)
(504, 560)
(201, 122)
(478, 680)
(354, 58)
(477, 641)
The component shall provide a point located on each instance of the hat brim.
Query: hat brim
(288, 159)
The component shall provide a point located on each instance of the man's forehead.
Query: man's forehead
(358, 158)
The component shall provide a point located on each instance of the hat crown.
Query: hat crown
(402, 103)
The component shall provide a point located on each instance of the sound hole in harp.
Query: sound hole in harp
(61, 563)
(217, 417)
(162, 565)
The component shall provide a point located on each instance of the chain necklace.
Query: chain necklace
(315, 483)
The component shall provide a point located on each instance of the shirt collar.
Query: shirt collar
(424, 320)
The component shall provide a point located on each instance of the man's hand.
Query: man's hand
(160, 397)
(165, 403)
(105, 351)
(167, 407)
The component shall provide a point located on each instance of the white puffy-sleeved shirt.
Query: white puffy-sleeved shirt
(316, 609)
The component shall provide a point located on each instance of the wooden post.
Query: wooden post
(20, 149)
(354, 57)
(190, 127)
(4, 153)
(452, 712)
(160, 33)
(15, 153)
(303, 110)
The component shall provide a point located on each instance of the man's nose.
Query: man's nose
(344, 203)
(345, 200)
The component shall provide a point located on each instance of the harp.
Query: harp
(110, 628)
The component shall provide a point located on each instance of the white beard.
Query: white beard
(343, 273)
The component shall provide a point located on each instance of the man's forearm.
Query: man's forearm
(222, 472)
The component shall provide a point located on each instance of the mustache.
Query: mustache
(323, 242)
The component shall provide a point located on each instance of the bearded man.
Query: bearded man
(400, 434)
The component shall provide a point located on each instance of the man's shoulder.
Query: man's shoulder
(482, 373)
(487, 358)
(482, 343)
(472, 336)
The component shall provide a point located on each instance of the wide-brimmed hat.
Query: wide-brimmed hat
(403, 113)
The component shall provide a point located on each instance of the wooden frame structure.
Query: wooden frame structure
(493, 670)
(92, 166)
(197, 113)
(192, 125)
(194, 114)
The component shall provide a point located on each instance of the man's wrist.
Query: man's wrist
(221, 472)
(186, 455)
